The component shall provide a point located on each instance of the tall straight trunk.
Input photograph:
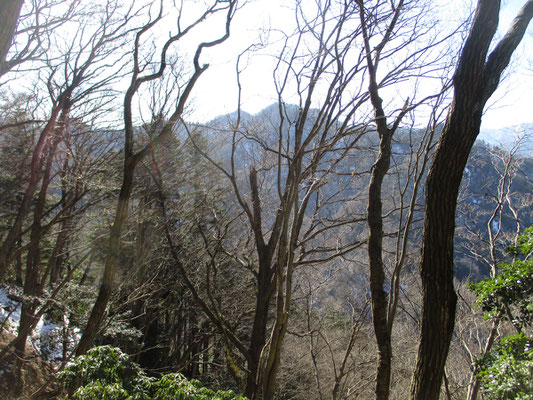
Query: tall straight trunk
(476, 78)
(380, 168)
(376, 269)
(113, 251)
(271, 360)
(259, 332)
(58, 254)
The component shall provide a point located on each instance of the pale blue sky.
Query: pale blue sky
(216, 92)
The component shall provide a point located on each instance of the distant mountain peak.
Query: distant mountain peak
(509, 136)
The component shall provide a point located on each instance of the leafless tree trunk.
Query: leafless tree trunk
(507, 166)
(9, 15)
(7, 247)
(476, 78)
(29, 25)
(279, 200)
(85, 74)
(132, 158)
(32, 289)
(384, 304)
(375, 209)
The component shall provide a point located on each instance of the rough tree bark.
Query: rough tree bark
(476, 78)
(380, 315)
(9, 15)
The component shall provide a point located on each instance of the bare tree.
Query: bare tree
(476, 78)
(9, 15)
(132, 157)
(309, 149)
(281, 170)
(396, 19)
(75, 78)
(27, 28)
(486, 232)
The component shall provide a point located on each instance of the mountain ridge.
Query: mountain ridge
(510, 136)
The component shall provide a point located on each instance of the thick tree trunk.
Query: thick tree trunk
(258, 335)
(26, 324)
(113, 251)
(9, 15)
(439, 298)
(475, 80)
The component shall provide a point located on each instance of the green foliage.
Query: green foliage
(176, 386)
(120, 332)
(507, 372)
(98, 390)
(74, 300)
(106, 373)
(512, 288)
(524, 245)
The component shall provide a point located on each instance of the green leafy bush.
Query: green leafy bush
(106, 373)
(512, 289)
(176, 386)
(507, 371)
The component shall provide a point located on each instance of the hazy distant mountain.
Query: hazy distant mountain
(477, 199)
(507, 137)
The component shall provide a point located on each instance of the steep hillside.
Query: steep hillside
(496, 190)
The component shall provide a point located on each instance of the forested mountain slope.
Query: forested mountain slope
(184, 191)
(302, 252)
(496, 189)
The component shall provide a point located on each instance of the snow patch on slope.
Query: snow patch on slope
(50, 339)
